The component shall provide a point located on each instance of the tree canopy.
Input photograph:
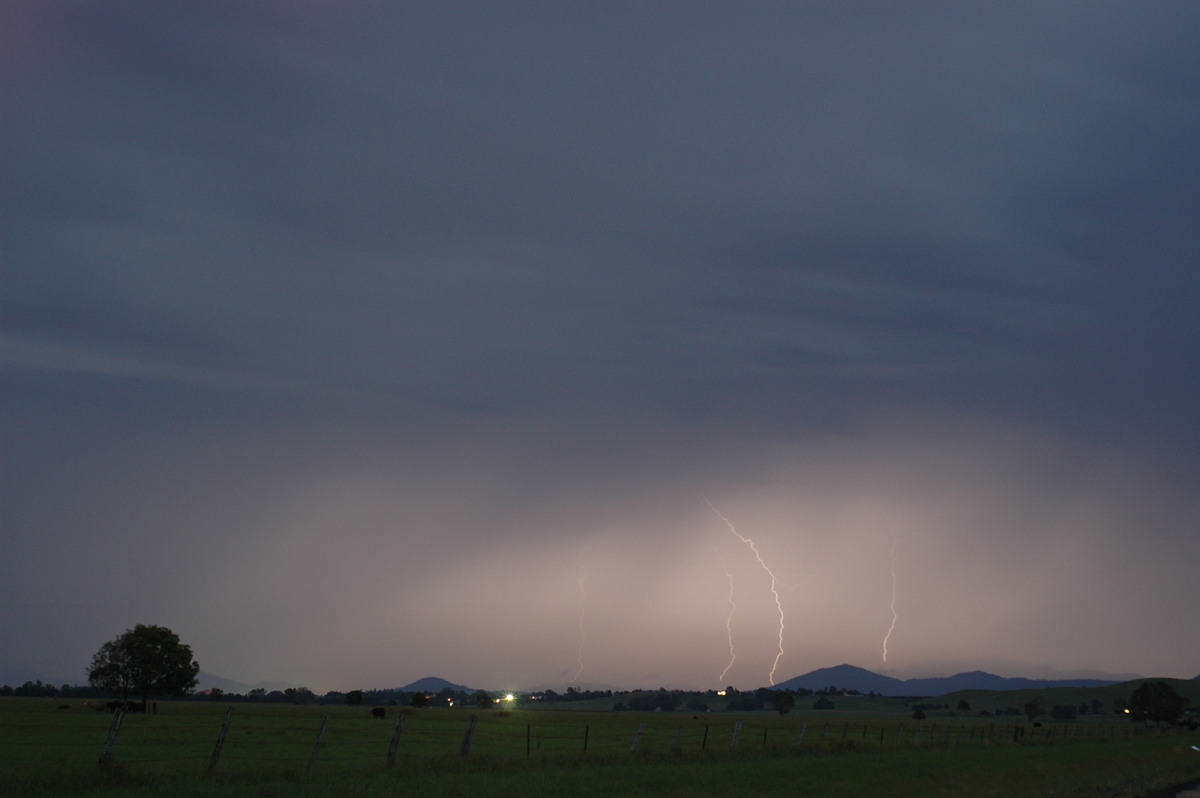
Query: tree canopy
(1156, 701)
(145, 661)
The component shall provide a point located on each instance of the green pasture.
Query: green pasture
(269, 747)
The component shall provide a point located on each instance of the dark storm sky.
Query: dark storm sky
(358, 342)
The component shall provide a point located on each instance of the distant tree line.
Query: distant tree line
(661, 699)
(36, 689)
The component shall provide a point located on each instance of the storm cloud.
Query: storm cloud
(361, 342)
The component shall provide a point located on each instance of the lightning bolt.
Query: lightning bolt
(894, 616)
(728, 618)
(774, 585)
(582, 615)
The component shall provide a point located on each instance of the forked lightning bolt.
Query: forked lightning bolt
(894, 616)
(774, 585)
(582, 616)
(728, 618)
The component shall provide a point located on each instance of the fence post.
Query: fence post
(528, 735)
(110, 742)
(637, 738)
(704, 739)
(466, 743)
(675, 739)
(216, 754)
(391, 757)
(312, 760)
(765, 738)
(737, 732)
(586, 729)
(800, 737)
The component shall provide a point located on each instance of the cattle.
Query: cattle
(125, 706)
(378, 712)
(98, 706)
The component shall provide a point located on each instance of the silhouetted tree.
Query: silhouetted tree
(146, 660)
(299, 695)
(963, 706)
(784, 701)
(1035, 708)
(1156, 701)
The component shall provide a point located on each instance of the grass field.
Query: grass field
(269, 749)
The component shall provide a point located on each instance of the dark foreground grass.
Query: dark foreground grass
(1096, 769)
(48, 752)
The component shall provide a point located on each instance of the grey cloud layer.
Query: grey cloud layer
(524, 265)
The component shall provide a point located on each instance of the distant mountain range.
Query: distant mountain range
(207, 681)
(849, 677)
(432, 684)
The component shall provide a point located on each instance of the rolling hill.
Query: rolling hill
(433, 684)
(849, 677)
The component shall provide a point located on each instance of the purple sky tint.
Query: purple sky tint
(345, 338)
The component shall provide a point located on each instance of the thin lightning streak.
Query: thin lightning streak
(774, 585)
(728, 618)
(582, 616)
(894, 616)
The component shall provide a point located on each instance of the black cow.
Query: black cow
(378, 712)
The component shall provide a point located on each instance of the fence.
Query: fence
(301, 742)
